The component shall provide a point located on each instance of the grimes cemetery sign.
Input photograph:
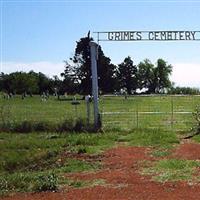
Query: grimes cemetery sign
(148, 36)
(131, 36)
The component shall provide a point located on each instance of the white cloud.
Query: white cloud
(48, 68)
(186, 74)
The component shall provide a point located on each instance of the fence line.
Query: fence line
(111, 113)
(169, 112)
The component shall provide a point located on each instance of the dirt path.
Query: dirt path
(123, 181)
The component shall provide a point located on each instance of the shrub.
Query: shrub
(46, 182)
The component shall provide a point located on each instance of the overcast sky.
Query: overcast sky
(39, 35)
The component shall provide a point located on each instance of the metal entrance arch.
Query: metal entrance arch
(134, 36)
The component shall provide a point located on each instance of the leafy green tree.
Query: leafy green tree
(127, 75)
(5, 85)
(20, 82)
(154, 78)
(146, 77)
(70, 81)
(162, 72)
(184, 90)
(43, 83)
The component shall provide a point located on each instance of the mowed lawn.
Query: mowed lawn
(161, 111)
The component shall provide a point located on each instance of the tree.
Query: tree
(127, 75)
(20, 82)
(81, 68)
(146, 77)
(162, 72)
(70, 81)
(43, 83)
(154, 78)
(82, 64)
(106, 73)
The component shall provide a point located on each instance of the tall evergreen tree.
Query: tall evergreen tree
(106, 73)
(82, 64)
(81, 67)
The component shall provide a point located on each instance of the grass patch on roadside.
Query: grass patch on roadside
(161, 153)
(29, 160)
(172, 170)
(40, 151)
(81, 183)
(196, 138)
(46, 180)
(152, 137)
(40, 181)
(28, 182)
(73, 165)
(25, 156)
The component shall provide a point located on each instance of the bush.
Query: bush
(46, 182)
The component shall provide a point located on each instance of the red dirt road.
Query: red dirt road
(123, 181)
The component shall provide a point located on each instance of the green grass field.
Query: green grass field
(39, 161)
(162, 111)
(35, 161)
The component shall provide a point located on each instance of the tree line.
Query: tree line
(125, 77)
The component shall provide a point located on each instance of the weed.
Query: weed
(149, 137)
(46, 182)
